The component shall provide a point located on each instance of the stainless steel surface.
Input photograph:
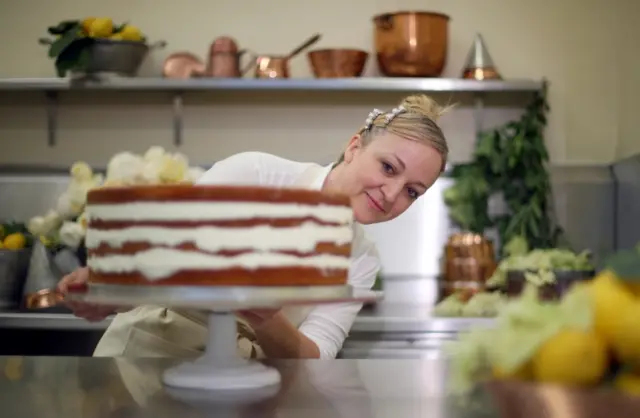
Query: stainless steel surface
(346, 84)
(49, 321)
(222, 298)
(408, 290)
(584, 205)
(400, 322)
(412, 244)
(413, 319)
(627, 202)
(13, 271)
(70, 387)
(25, 196)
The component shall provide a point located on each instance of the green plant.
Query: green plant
(511, 161)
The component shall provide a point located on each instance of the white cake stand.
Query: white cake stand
(221, 368)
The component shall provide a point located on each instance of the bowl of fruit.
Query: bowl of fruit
(97, 46)
(15, 252)
(578, 353)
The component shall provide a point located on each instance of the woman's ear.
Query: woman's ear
(355, 144)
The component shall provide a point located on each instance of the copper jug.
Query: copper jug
(224, 59)
(469, 261)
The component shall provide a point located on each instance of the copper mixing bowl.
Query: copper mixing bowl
(337, 62)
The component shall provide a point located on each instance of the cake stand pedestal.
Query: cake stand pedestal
(220, 368)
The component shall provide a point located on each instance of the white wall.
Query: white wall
(584, 47)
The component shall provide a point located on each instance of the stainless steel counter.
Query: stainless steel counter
(70, 387)
(401, 320)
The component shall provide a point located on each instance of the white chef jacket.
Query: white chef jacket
(325, 325)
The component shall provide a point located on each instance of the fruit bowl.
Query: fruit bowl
(97, 46)
(564, 279)
(115, 56)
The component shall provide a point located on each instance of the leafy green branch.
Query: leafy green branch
(510, 160)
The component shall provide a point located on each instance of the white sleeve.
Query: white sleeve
(239, 169)
(328, 325)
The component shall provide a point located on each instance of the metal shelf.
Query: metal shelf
(52, 87)
(371, 84)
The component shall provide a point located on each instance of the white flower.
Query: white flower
(64, 206)
(195, 173)
(154, 154)
(77, 195)
(126, 168)
(151, 171)
(173, 170)
(97, 180)
(71, 234)
(36, 226)
(52, 220)
(81, 171)
(181, 159)
(83, 220)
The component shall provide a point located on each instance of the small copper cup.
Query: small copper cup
(272, 67)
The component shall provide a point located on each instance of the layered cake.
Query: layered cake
(218, 235)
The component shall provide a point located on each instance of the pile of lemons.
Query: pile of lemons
(11, 240)
(587, 356)
(103, 27)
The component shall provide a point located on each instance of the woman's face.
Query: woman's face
(387, 176)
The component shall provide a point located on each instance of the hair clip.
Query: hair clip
(372, 116)
(392, 115)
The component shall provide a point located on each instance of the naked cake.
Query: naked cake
(217, 235)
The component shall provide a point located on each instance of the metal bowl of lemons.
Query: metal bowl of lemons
(94, 46)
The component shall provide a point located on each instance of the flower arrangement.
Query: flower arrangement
(65, 225)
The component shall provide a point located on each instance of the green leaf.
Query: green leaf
(118, 28)
(63, 42)
(625, 264)
(63, 27)
(74, 57)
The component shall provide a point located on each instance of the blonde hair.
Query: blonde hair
(417, 121)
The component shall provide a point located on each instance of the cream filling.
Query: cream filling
(302, 238)
(159, 263)
(215, 211)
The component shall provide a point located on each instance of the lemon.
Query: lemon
(13, 368)
(101, 28)
(86, 24)
(625, 335)
(524, 372)
(571, 357)
(628, 383)
(116, 37)
(634, 288)
(131, 33)
(611, 298)
(15, 241)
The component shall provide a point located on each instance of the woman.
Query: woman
(392, 160)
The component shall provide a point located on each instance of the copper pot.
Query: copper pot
(333, 63)
(469, 261)
(272, 67)
(411, 44)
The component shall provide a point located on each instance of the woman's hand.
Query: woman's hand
(78, 280)
(257, 317)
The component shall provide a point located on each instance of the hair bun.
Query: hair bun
(424, 106)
